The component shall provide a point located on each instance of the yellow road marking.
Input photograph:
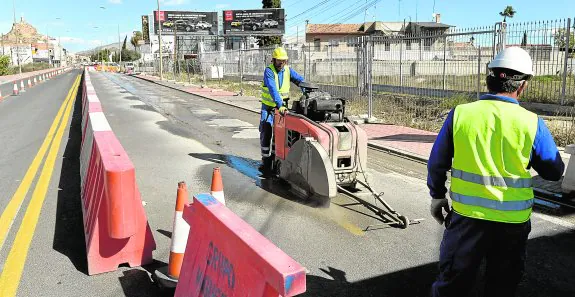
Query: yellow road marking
(351, 228)
(15, 203)
(14, 266)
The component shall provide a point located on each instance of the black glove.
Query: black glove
(437, 207)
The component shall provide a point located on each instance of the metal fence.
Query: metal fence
(416, 78)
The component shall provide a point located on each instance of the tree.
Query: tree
(137, 37)
(270, 40)
(507, 12)
(524, 40)
(560, 37)
(124, 47)
(4, 65)
(127, 56)
(101, 55)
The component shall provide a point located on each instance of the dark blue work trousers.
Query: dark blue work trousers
(466, 242)
(266, 139)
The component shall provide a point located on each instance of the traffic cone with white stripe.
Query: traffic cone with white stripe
(168, 276)
(22, 86)
(29, 83)
(217, 190)
(35, 81)
(15, 89)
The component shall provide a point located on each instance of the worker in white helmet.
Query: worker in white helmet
(489, 146)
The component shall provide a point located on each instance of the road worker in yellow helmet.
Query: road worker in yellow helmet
(275, 90)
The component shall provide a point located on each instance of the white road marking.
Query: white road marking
(204, 111)
(252, 133)
(231, 123)
(555, 220)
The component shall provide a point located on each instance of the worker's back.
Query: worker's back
(493, 141)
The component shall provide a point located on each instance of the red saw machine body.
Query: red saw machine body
(319, 152)
(316, 148)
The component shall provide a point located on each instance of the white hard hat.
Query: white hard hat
(513, 58)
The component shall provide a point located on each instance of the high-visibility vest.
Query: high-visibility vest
(492, 143)
(267, 98)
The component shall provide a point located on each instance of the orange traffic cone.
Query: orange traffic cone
(22, 86)
(180, 233)
(15, 89)
(29, 83)
(180, 230)
(217, 190)
(35, 81)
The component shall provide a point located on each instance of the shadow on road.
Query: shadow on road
(137, 282)
(249, 168)
(168, 234)
(409, 138)
(69, 229)
(549, 272)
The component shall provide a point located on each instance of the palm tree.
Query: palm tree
(507, 12)
(135, 38)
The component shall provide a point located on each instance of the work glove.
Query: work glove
(437, 207)
(283, 110)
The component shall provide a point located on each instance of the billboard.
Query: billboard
(258, 22)
(186, 22)
(146, 29)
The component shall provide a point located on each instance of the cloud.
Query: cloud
(173, 2)
(115, 1)
(72, 40)
(222, 6)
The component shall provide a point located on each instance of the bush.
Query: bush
(5, 65)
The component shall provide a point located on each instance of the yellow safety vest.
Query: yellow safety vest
(267, 98)
(492, 143)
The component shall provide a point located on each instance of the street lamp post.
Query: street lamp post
(160, 42)
(17, 38)
(119, 40)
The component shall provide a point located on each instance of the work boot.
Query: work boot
(266, 167)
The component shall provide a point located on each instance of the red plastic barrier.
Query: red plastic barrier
(115, 224)
(225, 256)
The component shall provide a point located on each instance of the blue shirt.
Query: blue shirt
(270, 83)
(545, 157)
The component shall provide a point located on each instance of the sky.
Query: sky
(73, 21)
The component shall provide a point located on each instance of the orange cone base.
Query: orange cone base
(163, 280)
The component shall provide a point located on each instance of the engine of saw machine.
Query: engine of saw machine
(316, 147)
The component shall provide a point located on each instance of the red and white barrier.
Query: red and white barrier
(115, 224)
(225, 256)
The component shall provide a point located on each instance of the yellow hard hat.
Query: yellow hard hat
(280, 54)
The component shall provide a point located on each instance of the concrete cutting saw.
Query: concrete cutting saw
(319, 152)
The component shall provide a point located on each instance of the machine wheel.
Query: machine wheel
(352, 187)
(404, 221)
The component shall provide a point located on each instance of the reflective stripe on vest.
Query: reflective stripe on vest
(492, 204)
(492, 143)
(267, 98)
(497, 181)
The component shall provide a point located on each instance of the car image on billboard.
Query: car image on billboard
(254, 22)
(187, 23)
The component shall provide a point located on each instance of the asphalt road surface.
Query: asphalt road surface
(172, 136)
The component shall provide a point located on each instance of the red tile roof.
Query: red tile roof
(334, 29)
